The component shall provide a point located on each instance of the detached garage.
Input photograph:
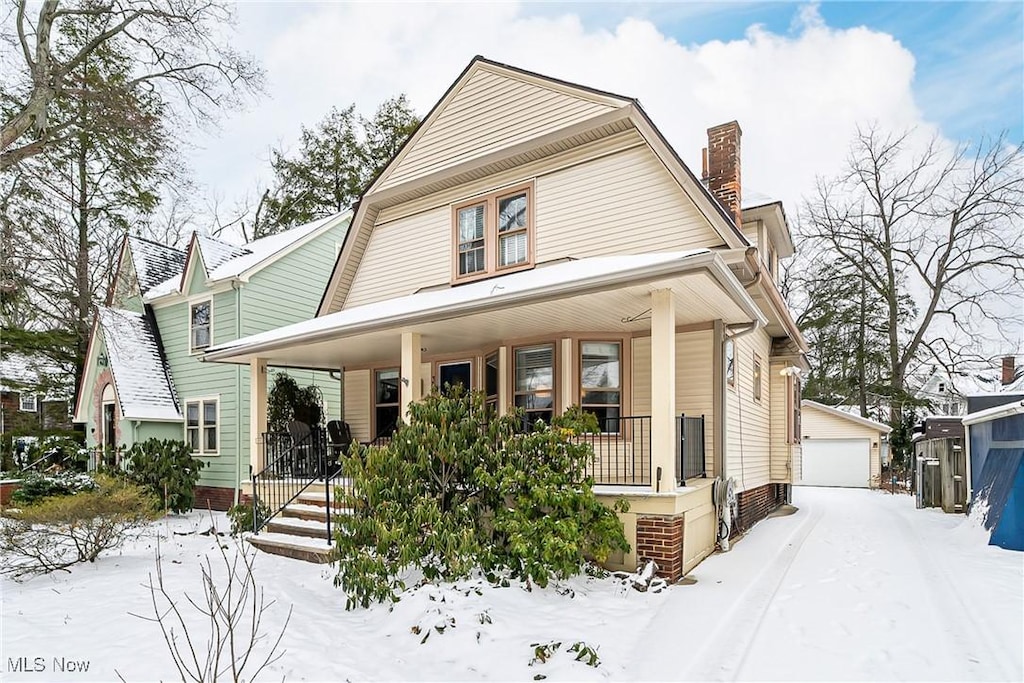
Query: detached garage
(839, 448)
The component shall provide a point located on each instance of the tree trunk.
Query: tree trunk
(83, 293)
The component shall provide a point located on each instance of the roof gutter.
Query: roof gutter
(708, 261)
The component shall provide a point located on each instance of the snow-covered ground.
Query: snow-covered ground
(854, 585)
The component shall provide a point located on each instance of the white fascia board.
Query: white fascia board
(1016, 408)
(864, 421)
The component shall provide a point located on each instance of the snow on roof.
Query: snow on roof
(752, 199)
(154, 262)
(141, 378)
(838, 412)
(19, 371)
(479, 295)
(262, 249)
(224, 260)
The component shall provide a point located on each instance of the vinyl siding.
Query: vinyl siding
(819, 425)
(488, 112)
(779, 412)
(194, 379)
(694, 377)
(622, 202)
(357, 403)
(289, 290)
(747, 423)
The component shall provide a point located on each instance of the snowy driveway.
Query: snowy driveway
(865, 588)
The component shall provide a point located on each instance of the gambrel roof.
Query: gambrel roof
(516, 117)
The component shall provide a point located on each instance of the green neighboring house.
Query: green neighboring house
(144, 376)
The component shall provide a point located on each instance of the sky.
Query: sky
(798, 77)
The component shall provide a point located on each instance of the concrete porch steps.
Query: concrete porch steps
(316, 550)
(300, 530)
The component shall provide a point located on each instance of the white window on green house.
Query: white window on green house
(202, 420)
(200, 325)
(28, 402)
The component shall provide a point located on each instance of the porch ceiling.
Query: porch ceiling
(700, 295)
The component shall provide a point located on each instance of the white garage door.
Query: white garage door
(837, 462)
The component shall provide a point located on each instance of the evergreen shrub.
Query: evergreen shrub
(460, 488)
(165, 468)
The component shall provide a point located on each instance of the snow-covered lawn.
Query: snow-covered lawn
(855, 585)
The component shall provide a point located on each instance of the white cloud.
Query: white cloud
(797, 97)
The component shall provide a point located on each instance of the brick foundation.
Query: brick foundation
(214, 498)
(7, 490)
(661, 539)
(754, 505)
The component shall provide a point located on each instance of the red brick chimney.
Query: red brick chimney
(722, 167)
(1009, 369)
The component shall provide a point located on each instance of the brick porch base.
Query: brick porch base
(754, 505)
(214, 498)
(660, 538)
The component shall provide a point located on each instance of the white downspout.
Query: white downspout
(236, 285)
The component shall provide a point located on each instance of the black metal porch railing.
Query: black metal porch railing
(622, 451)
(690, 451)
(292, 467)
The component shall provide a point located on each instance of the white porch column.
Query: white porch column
(257, 411)
(663, 389)
(411, 381)
(504, 373)
(566, 386)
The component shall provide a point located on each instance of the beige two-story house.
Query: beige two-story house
(540, 241)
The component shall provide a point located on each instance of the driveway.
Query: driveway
(856, 585)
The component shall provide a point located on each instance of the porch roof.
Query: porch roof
(606, 293)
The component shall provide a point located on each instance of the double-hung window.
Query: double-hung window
(201, 426)
(601, 382)
(199, 320)
(493, 233)
(534, 372)
(28, 402)
(491, 383)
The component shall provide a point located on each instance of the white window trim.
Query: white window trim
(188, 311)
(200, 400)
(21, 402)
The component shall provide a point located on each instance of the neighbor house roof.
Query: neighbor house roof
(994, 413)
(224, 261)
(561, 279)
(836, 412)
(141, 377)
(19, 372)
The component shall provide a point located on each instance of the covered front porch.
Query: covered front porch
(635, 340)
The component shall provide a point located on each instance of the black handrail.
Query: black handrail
(691, 461)
(292, 469)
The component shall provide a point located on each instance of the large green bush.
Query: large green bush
(166, 468)
(459, 488)
(287, 401)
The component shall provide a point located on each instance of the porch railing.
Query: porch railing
(622, 451)
(690, 451)
(292, 467)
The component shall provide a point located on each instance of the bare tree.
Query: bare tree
(936, 226)
(179, 51)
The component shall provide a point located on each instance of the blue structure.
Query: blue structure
(996, 441)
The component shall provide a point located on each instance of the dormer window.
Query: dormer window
(492, 234)
(200, 325)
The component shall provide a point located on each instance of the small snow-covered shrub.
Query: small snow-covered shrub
(166, 469)
(36, 487)
(61, 531)
(459, 488)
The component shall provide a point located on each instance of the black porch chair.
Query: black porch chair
(302, 449)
